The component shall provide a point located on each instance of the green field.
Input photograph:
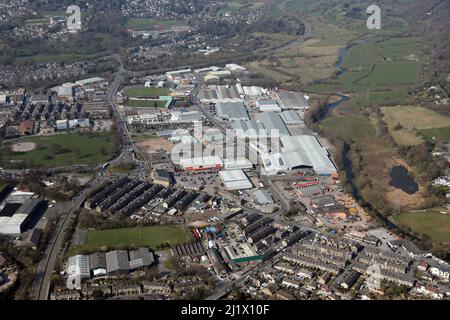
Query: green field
(151, 237)
(432, 223)
(146, 24)
(49, 58)
(72, 149)
(414, 118)
(438, 133)
(146, 92)
(146, 103)
(37, 22)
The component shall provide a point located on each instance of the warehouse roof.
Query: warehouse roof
(290, 117)
(117, 260)
(316, 153)
(263, 196)
(232, 111)
(292, 100)
(278, 162)
(235, 180)
(272, 121)
(249, 128)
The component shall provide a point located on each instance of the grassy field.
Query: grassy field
(146, 104)
(438, 133)
(146, 92)
(37, 22)
(143, 137)
(152, 237)
(73, 148)
(147, 24)
(415, 119)
(432, 223)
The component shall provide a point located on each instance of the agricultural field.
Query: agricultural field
(152, 236)
(136, 92)
(412, 121)
(432, 223)
(61, 150)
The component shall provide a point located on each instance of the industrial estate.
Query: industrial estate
(135, 175)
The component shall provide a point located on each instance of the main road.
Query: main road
(41, 285)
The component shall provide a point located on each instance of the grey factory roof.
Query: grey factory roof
(117, 260)
(290, 117)
(249, 128)
(292, 100)
(142, 257)
(29, 206)
(316, 153)
(97, 261)
(272, 121)
(277, 162)
(263, 196)
(232, 111)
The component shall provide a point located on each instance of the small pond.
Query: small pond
(401, 179)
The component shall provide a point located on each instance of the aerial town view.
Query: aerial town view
(224, 150)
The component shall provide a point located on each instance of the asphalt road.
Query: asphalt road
(41, 284)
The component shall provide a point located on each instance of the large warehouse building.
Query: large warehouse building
(292, 100)
(318, 155)
(201, 163)
(232, 111)
(235, 180)
(272, 122)
(14, 222)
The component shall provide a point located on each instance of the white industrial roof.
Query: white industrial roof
(241, 163)
(232, 111)
(291, 117)
(316, 153)
(235, 180)
(272, 121)
(200, 161)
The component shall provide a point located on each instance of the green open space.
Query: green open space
(146, 103)
(152, 237)
(147, 24)
(437, 133)
(432, 223)
(63, 149)
(37, 22)
(136, 92)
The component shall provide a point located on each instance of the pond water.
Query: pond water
(401, 179)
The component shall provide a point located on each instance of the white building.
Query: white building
(78, 268)
(235, 180)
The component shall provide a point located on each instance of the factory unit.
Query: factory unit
(184, 202)
(174, 198)
(163, 177)
(237, 164)
(140, 201)
(201, 163)
(102, 194)
(273, 124)
(231, 111)
(235, 180)
(318, 155)
(16, 219)
(129, 197)
(268, 105)
(292, 100)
